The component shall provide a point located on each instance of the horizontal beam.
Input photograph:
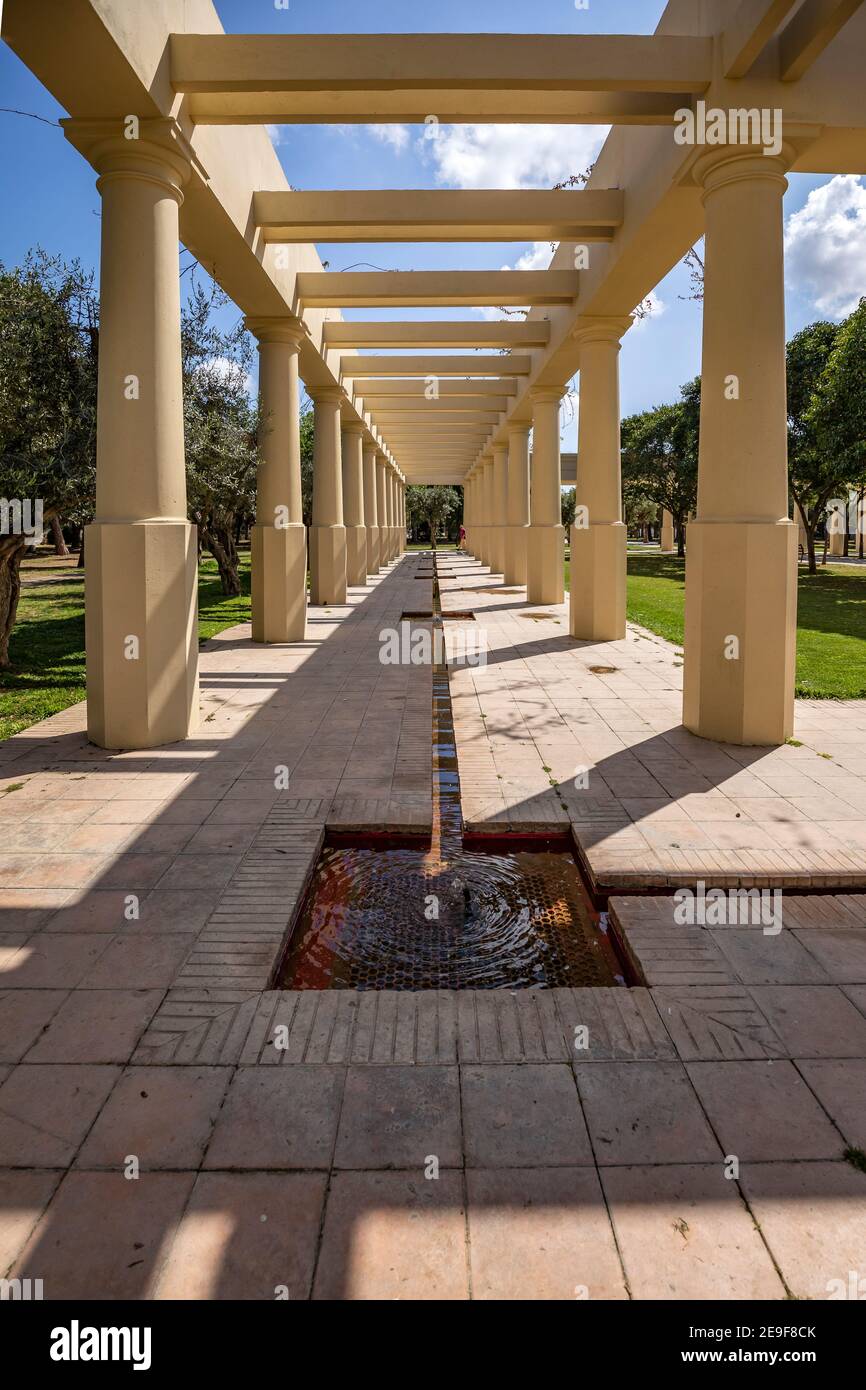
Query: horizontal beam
(233, 79)
(371, 387)
(388, 419)
(751, 29)
(809, 32)
(438, 333)
(506, 364)
(439, 215)
(364, 289)
(458, 406)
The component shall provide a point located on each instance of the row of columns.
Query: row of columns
(141, 574)
(741, 577)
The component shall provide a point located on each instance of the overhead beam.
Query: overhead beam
(388, 419)
(440, 215)
(365, 289)
(447, 405)
(751, 29)
(371, 388)
(809, 32)
(234, 79)
(506, 364)
(438, 333)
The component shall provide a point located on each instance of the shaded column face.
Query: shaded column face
(741, 567)
(545, 556)
(328, 576)
(371, 510)
(141, 577)
(500, 508)
(382, 503)
(353, 503)
(279, 538)
(518, 505)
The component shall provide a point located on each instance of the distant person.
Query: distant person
(461, 544)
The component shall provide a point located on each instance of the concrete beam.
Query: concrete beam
(371, 388)
(438, 334)
(751, 29)
(458, 406)
(506, 364)
(388, 419)
(810, 31)
(439, 215)
(365, 289)
(601, 78)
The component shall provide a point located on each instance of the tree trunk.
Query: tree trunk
(681, 537)
(218, 540)
(81, 548)
(60, 547)
(11, 551)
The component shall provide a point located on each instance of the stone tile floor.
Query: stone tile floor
(559, 1144)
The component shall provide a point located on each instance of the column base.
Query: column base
(545, 564)
(327, 565)
(741, 583)
(597, 587)
(356, 556)
(481, 533)
(497, 550)
(515, 555)
(141, 582)
(373, 564)
(279, 583)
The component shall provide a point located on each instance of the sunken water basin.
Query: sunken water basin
(387, 913)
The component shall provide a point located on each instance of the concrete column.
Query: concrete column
(279, 537)
(485, 469)
(598, 540)
(545, 550)
(352, 447)
(500, 507)
(389, 510)
(327, 534)
(668, 543)
(382, 509)
(402, 512)
(518, 505)
(371, 509)
(741, 567)
(837, 525)
(141, 576)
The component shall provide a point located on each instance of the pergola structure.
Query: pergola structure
(171, 113)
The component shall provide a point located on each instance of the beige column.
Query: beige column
(518, 505)
(382, 508)
(500, 507)
(837, 525)
(327, 533)
(141, 576)
(545, 549)
(279, 537)
(667, 538)
(352, 447)
(485, 469)
(389, 509)
(741, 567)
(401, 498)
(371, 509)
(598, 539)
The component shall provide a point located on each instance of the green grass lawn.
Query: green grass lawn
(831, 622)
(47, 647)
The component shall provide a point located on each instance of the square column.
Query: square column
(327, 533)
(500, 507)
(353, 503)
(485, 473)
(141, 580)
(518, 505)
(279, 537)
(667, 537)
(598, 539)
(545, 551)
(741, 561)
(371, 510)
(382, 509)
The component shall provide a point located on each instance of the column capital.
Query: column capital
(134, 147)
(727, 164)
(601, 328)
(517, 429)
(353, 427)
(326, 395)
(277, 329)
(546, 394)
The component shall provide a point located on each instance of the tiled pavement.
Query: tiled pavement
(289, 1144)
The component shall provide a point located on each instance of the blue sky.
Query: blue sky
(49, 198)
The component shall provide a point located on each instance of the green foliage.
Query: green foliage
(433, 507)
(568, 502)
(660, 456)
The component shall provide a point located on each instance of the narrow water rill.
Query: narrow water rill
(447, 915)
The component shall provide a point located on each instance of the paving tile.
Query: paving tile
(45, 1112)
(763, 1111)
(398, 1117)
(684, 1233)
(54, 962)
(644, 1112)
(96, 1025)
(390, 1236)
(246, 1236)
(139, 961)
(768, 960)
(522, 1117)
(24, 1195)
(163, 1116)
(23, 1015)
(541, 1233)
(840, 953)
(841, 1088)
(813, 1218)
(103, 1235)
(813, 1020)
(278, 1117)
(709, 1022)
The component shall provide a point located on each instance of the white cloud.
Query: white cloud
(397, 136)
(510, 156)
(277, 133)
(825, 246)
(654, 307)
